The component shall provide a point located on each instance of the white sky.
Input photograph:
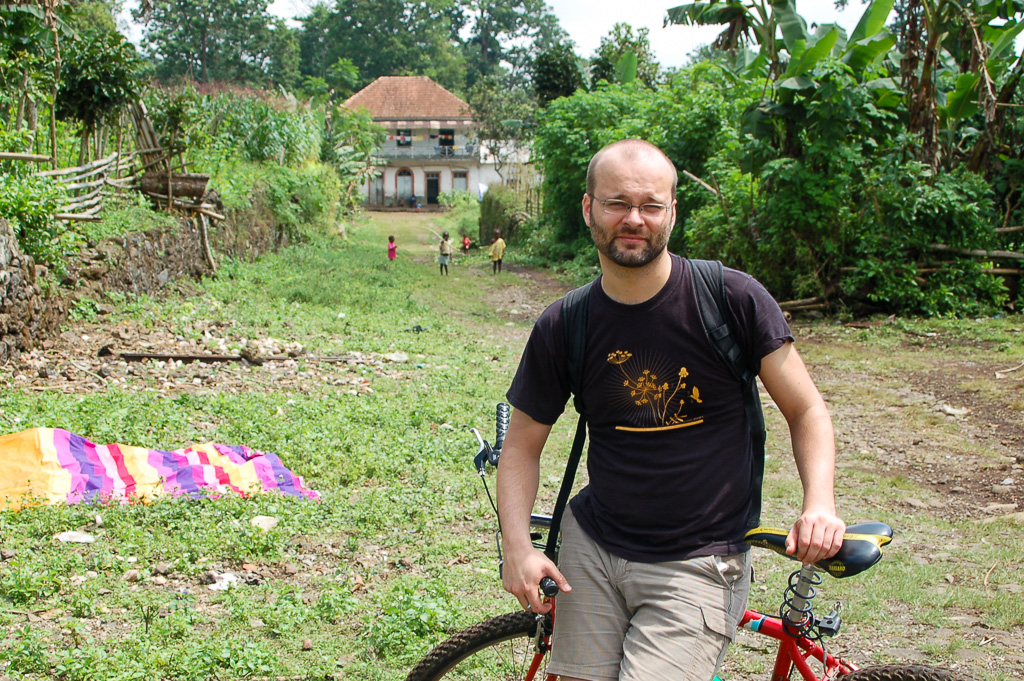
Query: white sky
(587, 22)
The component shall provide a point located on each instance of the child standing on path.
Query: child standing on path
(465, 244)
(392, 248)
(497, 252)
(446, 253)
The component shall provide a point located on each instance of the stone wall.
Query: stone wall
(25, 313)
(144, 262)
(33, 305)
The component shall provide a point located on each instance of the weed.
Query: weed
(23, 582)
(412, 612)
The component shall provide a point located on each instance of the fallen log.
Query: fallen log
(798, 304)
(1009, 255)
(76, 217)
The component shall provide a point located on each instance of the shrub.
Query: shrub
(463, 212)
(499, 210)
(29, 204)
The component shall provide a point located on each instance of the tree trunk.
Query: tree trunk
(22, 97)
(993, 131)
(53, 99)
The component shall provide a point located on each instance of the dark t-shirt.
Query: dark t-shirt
(669, 457)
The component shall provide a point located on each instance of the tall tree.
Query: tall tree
(209, 40)
(620, 46)
(505, 33)
(505, 119)
(384, 38)
(556, 73)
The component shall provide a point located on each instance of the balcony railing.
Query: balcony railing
(470, 151)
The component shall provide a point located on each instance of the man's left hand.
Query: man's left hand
(816, 535)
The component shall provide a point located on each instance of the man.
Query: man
(653, 569)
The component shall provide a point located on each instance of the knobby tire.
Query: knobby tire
(906, 672)
(499, 648)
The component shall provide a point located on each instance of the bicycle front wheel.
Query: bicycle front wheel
(503, 647)
(906, 672)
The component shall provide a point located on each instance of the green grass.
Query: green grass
(399, 553)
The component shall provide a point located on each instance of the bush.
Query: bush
(463, 212)
(29, 204)
(499, 210)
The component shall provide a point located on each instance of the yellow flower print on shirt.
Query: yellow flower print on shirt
(657, 396)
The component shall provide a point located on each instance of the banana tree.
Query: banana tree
(972, 44)
(788, 62)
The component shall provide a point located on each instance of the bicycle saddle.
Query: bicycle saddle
(862, 547)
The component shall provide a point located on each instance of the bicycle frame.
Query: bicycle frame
(794, 651)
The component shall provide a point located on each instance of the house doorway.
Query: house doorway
(433, 187)
(377, 191)
(403, 186)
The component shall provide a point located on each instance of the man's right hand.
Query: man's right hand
(521, 574)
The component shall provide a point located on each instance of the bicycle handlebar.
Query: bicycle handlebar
(503, 414)
(548, 587)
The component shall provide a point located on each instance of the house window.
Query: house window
(446, 137)
(403, 137)
(460, 181)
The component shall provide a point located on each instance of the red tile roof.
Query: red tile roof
(408, 97)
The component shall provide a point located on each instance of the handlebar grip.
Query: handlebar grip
(548, 587)
(502, 417)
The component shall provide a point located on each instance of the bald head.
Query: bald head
(635, 151)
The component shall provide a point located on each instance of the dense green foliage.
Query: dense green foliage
(621, 48)
(688, 118)
(29, 204)
(500, 209)
(220, 40)
(835, 181)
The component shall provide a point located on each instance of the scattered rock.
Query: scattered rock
(307, 644)
(223, 582)
(130, 576)
(7, 554)
(1000, 509)
(264, 522)
(162, 569)
(75, 537)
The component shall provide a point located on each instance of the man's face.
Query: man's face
(631, 240)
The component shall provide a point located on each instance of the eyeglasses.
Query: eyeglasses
(619, 208)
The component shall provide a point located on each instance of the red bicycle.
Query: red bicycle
(516, 645)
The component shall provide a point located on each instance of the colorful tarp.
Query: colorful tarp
(50, 465)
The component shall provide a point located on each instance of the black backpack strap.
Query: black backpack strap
(709, 283)
(575, 313)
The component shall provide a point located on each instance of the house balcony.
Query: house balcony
(470, 152)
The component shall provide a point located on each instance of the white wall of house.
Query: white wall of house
(424, 155)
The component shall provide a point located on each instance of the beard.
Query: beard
(607, 245)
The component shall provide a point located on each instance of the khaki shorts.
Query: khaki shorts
(631, 621)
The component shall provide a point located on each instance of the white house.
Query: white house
(430, 147)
